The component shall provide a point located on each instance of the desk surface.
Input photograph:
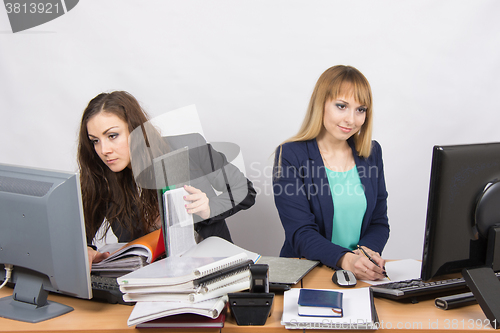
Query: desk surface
(90, 316)
(420, 317)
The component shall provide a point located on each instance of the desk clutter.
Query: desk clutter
(202, 291)
(185, 285)
(192, 290)
(198, 288)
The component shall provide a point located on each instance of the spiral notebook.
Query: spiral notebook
(202, 285)
(194, 297)
(178, 270)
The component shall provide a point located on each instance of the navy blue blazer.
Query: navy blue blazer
(303, 198)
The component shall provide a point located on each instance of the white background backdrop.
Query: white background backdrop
(250, 67)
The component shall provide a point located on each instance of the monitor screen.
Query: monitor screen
(43, 237)
(459, 176)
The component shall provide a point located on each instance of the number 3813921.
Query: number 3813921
(32, 8)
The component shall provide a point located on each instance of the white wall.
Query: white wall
(250, 66)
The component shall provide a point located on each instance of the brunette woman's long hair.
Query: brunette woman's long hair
(108, 195)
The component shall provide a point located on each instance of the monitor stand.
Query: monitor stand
(29, 302)
(486, 289)
(483, 282)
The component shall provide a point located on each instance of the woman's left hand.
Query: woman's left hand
(199, 202)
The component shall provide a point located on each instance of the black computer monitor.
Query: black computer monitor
(43, 237)
(459, 176)
(463, 220)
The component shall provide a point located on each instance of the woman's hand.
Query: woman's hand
(198, 202)
(361, 266)
(95, 256)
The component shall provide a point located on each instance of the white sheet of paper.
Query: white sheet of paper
(400, 270)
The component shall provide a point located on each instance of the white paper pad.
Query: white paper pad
(400, 270)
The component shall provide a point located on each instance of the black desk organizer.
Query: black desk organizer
(254, 307)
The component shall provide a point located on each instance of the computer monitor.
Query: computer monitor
(463, 220)
(43, 237)
(459, 176)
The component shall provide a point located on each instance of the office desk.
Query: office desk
(90, 316)
(420, 317)
(87, 316)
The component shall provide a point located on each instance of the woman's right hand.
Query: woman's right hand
(95, 256)
(363, 268)
(199, 202)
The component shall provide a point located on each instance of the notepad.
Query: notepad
(320, 303)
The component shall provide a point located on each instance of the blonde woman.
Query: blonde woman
(329, 185)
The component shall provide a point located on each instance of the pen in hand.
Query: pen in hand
(371, 259)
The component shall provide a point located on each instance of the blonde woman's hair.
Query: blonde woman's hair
(337, 81)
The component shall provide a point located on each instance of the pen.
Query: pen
(373, 261)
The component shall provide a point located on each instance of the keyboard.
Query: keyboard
(416, 288)
(106, 289)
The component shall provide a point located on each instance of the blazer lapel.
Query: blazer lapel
(364, 172)
(320, 180)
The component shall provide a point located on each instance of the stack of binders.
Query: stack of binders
(184, 285)
(187, 279)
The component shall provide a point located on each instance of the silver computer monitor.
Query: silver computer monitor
(42, 234)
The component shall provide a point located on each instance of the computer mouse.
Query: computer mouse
(343, 278)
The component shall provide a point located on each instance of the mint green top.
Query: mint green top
(349, 206)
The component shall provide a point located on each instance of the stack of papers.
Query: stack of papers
(194, 283)
(358, 312)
